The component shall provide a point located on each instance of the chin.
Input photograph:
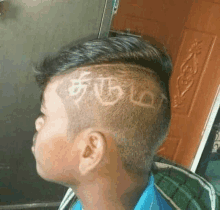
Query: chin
(49, 177)
(43, 174)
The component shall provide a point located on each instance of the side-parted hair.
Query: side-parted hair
(119, 50)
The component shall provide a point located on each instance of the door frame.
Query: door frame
(206, 131)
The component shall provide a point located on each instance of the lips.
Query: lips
(32, 148)
(34, 141)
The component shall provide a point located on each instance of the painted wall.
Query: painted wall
(189, 31)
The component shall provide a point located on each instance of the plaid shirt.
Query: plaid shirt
(182, 188)
(179, 187)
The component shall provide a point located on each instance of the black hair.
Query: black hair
(120, 49)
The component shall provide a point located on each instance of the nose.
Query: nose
(39, 123)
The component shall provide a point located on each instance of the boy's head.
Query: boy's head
(105, 105)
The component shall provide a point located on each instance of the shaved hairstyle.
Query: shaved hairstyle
(120, 84)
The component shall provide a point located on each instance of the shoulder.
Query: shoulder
(181, 188)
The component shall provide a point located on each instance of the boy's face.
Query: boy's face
(54, 154)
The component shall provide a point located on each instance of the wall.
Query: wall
(189, 30)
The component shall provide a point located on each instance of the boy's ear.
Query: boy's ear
(92, 152)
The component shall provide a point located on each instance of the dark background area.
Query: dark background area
(29, 30)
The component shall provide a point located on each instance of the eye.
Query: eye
(39, 122)
(41, 114)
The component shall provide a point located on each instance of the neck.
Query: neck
(106, 194)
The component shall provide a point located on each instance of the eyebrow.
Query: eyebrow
(42, 97)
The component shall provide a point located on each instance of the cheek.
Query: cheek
(57, 161)
(52, 137)
(51, 148)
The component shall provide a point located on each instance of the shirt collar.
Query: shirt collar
(148, 198)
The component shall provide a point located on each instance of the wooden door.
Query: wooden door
(190, 30)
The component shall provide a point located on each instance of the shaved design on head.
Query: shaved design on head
(108, 91)
(79, 87)
(106, 86)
